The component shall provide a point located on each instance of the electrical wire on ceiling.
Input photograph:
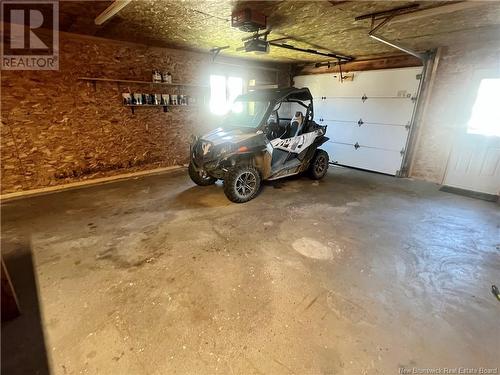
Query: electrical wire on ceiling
(300, 40)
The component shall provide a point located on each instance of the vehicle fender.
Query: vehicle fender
(259, 158)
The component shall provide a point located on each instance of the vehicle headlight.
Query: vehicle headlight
(192, 139)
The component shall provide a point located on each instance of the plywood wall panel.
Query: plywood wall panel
(58, 129)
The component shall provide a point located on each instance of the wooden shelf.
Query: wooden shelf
(95, 79)
(160, 105)
(165, 107)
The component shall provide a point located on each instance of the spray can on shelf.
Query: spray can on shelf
(156, 76)
(167, 77)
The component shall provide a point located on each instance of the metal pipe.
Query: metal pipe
(111, 10)
(421, 56)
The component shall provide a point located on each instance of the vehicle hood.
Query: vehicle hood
(233, 135)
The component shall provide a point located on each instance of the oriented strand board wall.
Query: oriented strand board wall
(56, 129)
(450, 105)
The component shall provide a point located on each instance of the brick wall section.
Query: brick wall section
(450, 105)
(56, 129)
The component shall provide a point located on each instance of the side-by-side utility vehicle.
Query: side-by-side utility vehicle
(269, 134)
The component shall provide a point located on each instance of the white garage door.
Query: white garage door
(368, 118)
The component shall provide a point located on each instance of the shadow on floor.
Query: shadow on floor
(23, 343)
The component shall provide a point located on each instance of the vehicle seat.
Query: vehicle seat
(295, 124)
(272, 129)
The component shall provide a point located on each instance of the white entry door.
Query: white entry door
(474, 162)
(368, 117)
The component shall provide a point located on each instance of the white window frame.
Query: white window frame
(216, 105)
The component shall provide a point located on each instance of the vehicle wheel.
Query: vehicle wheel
(319, 165)
(242, 184)
(200, 177)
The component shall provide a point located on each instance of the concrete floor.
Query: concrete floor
(357, 274)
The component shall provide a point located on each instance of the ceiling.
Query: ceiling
(321, 25)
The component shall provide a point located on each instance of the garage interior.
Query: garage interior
(115, 262)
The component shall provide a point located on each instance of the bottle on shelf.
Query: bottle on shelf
(165, 99)
(127, 98)
(137, 98)
(157, 99)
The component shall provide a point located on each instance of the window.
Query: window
(223, 92)
(485, 117)
(247, 114)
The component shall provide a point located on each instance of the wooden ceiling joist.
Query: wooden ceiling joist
(435, 11)
(389, 62)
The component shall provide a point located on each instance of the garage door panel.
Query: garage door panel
(390, 82)
(377, 160)
(382, 111)
(371, 111)
(313, 82)
(343, 132)
(379, 83)
(371, 135)
(320, 108)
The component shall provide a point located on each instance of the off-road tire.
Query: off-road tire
(242, 184)
(198, 178)
(319, 165)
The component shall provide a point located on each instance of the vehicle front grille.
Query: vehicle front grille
(203, 151)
